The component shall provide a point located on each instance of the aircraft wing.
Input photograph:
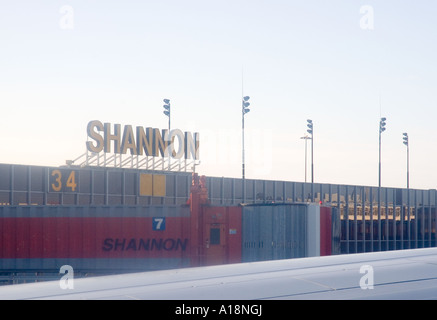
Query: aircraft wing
(406, 274)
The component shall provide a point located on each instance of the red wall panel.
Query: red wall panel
(234, 243)
(92, 237)
(325, 231)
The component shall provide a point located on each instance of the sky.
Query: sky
(342, 64)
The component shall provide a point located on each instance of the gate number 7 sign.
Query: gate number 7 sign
(159, 224)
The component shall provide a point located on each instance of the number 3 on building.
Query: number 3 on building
(57, 185)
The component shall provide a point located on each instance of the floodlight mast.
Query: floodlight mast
(167, 111)
(306, 137)
(311, 132)
(382, 124)
(406, 142)
(245, 109)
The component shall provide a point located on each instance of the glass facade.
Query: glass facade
(372, 218)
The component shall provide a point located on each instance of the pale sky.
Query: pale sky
(342, 64)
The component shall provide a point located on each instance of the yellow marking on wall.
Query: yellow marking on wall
(159, 185)
(152, 185)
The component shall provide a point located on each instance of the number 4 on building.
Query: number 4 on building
(71, 181)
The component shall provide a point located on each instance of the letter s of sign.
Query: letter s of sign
(67, 281)
(91, 131)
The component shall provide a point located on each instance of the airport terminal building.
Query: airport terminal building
(372, 218)
(119, 212)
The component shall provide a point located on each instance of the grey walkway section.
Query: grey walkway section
(408, 274)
